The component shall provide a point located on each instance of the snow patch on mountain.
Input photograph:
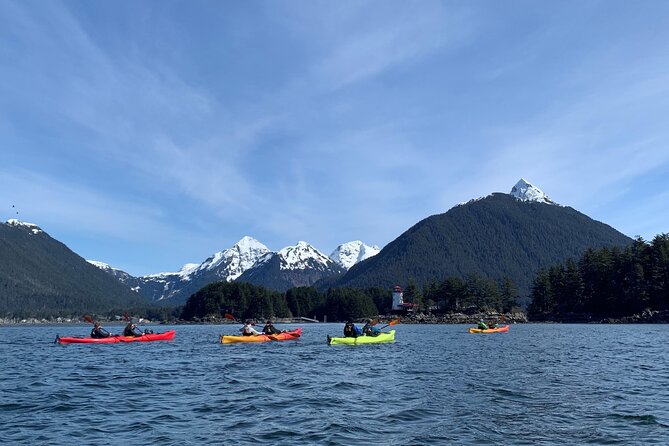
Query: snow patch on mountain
(33, 227)
(303, 256)
(348, 254)
(524, 191)
(232, 262)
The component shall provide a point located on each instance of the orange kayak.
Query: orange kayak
(285, 336)
(502, 329)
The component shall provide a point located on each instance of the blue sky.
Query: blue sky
(149, 134)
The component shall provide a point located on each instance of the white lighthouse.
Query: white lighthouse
(398, 298)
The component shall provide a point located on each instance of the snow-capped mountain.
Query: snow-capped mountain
(348, 254)
(175, 288)
(525, 191)
(299, 265)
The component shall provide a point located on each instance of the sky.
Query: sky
(150, 134)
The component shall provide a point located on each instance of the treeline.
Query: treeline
(604, 283)
(472, 294)
(246, 301)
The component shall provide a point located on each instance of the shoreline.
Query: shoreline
(646, 317)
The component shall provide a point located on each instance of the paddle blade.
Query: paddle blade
(88, 319)
(374, 322)
(229, 316)
(394, 322)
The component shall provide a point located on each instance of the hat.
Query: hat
(249, 321)
(269, 322)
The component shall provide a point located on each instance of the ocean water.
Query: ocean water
(536, 385)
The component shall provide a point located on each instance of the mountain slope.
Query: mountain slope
(494, 236)
(348, 254)
(175, 288)
(299, 265)
(40, 276)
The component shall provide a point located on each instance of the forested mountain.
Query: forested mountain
(41, 277)
(501, 236)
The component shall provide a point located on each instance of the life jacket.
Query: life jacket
(99, 333)
(270, 329)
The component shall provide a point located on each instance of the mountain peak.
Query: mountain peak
(525, 191)
(300, 255)
(350, 253)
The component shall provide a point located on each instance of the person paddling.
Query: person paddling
(248, 330)
(369, 329)
(131, 330)
(350, 330)
(270, 329)
(98, 332)
(482, 325)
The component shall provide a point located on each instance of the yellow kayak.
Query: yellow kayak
(383, 337)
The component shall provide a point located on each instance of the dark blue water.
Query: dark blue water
(437, 384)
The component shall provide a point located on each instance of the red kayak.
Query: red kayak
(148, 337)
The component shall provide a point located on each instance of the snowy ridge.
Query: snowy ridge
(235, 260)
(100, 265)
(348, 254)
(303, 256)
(525, 191)
(227, 265)
(33, 227)
(474, 200)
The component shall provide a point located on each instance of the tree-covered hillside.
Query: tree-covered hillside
(496, 237)
(605, 283)
(41, 277)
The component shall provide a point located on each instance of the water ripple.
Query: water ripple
(537, 384)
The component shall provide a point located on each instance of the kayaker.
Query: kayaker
(248, 330)
(482, 325)
(132, 330)
(98, 332)
(270, 329)
(350, 330)
(369, 329)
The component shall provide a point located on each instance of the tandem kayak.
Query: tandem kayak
(147, 337)
(285, 336)
(502, 329)
(383, 337)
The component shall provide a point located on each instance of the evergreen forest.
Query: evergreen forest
(604, 283)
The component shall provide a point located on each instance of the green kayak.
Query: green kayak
(383, 337)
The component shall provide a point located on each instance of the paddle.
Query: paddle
(232, 318)
(90, 320)
(391, 323)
